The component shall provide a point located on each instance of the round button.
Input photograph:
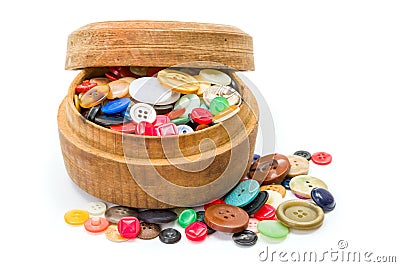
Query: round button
(298, 165)
(187, 217)
(100, 80)
(270, 169)
(146, 128)
(226, 114)
(215, 76)
(267, 212)
(257, 203)
(149, 90)
(218, 104)
(140, 71)
(274, 198)
(96, 224)
(96, 208)
(252, 226)
(142, 112)
(114, 214)
(108, 120)
(184, 129)
(300, 214)
(189, 102)
(94, 96)
(201, 116)
(303, 184)
(196, 231)
(303, 153)
(201, 127)
(200, 218)
(76, 217)
(116, 106)
(226, 218)
(112, 234)
(118, 88)
(163, 109)
(157, 216)
(215, 202)
(244, 193)
(169, 236)
(321, 158)
(178, 81)
(149, 230)
(129, 227)
(273, 229)
(160, 120)
(285, 183)
(93, 112)
(227, 92)
(274, 187)
(256, 157)
(323, 198)
(245, 238)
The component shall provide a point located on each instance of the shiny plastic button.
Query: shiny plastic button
(178, 81)
(300, 214)
(252, 226)
(76, 217)
(245, 238)
(100, 80)
(269, 169)
(203, 85)
(96, 224)
(112, 234)
(85, 86)
(118, 88)
(323, 198)
(257, 203)
(108, 120)
(184, 129)
(115, 213)
(298, 165)
(215, 76)
(189, 102)
(303, 184)
(167, 129)
(146, 128)
(200, 218)
(149, 230)
(201, 127)
(215, 202)
(196, 231)
(274, 198)
(142, 112)
(94, 96)
(174, 114)
(116, 106)
(272, 229)
(274, 187)
(227, 92)
(267, 212)
(303, 153)
(321, 158)
(201, 116)
(129, 127)
(157, 216)
(93, 112)
(187, 217)
(169, 236)
(96, 208)
(180, 121)
(285, 183)
(226, 114)
(218, 104)
(244, 193)
(149, 90)
(160, 120)
(226, 218)
(129, 227)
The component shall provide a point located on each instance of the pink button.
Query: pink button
(160, 120)
(129, 227)
(167, 129)
(145, 128)
(196, 231)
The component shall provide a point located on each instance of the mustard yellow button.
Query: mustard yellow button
(302, 185)
(298, 165)
(274, 187)
(76, 217)
(300, 214)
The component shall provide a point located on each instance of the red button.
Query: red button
(111, 76)
(85, 86)
(152, 71)
(96, 224)
(129, 127)
(267, 212)
(217, 201)
(321, 158)
(196, 231)
(129, 227)
(201, 116)
(160, 120)
(145, 128)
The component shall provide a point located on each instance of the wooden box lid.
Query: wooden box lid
(158, 44)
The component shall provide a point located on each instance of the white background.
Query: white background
(329, 71)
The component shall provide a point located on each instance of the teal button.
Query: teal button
(244, 193)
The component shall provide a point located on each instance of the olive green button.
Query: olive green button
(303, 184)
(272, 229)
(300, 214)
(187, 217)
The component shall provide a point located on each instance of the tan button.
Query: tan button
(274, 198)
(270, 169)
(274, 187)
(113, 234)
(300, 214)
(303, 184)
(178, 81)
(149, 230)
(298, 165)
(226, 218)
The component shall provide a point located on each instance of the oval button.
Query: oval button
(178, 81)
(169, 236)
(116, 106)
(187, 217)
(272, 229)
(215, 76)
(323, 198)
(94, 96)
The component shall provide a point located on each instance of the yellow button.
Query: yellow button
(300, 214)
(76, 217)
(298, 165)
(178, 81)
(303, 184)
(274, 187)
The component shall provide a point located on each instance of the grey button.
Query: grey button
(114, 214)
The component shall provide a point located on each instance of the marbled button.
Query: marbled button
(269, 169)
(244, 193)
(323, 198)
(94, 96)
(227, 92)
(245, 238)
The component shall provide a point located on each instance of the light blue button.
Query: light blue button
(244, 193)
(184, 129)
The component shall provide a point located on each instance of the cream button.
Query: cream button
(142, 112)
(302, 185)
(298, 165)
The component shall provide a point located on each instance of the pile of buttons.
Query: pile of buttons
(255, 206)
(176, 101)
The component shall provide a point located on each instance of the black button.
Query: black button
(303, 153)
(285, 183)
(200, 218)
(169, 236)
(92, 112)
(157, 216)
(257, 203)
(108, 120)
(245, 238)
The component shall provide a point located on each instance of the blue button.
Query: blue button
(184, 129)
(116, 106)
(323, 198)
(256, 157)
(244, 193)
(285, 183)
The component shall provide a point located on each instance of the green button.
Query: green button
(272, 229)
(187, 217)
(218, 104)
(181, 120)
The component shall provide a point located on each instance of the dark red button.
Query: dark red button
(267, 212)
(196, 231)
(321, 158)
(129, 127)
(152, 71)
(201, 116)
(145, 128)
(217, 201)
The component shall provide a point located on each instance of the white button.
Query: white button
(142, 112)
(184, 129)
(96, 208)
(189, 102)
(215, 76)
(274, 198)
(149, 90)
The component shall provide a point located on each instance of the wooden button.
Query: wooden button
(149, 230)
(298, 165)
(112, 234)
(269, 169)
(302, 185)
(226, 218)
(300, 214)
(274, 187)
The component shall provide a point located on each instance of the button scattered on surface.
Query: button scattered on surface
(274, 198)
(267, 212)
(115, 213)
(196, 231)
(226, 218)
(298, 165)
(321, 158)
(149, 230)
(274, 187)
(112, 234)
(244, 193)
(215, 76)
(303, 153)
(200, 218)
(76, 217)
(269, 169)
(257, 203)
(96, 224)
(303, 184)
(169, 236)
(300, 214)
(129, 227)
(142, 112)
(285, 183)
(323, 198)
(252, 226)
(157, 216)
(187, 217)
(178, 81)
(96, 208)
(245, 238)
(272, 229)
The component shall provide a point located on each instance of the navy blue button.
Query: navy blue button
(285, 183)
(116, 106)
(244, 193)
(108, 120)
(256, 157)
(323, 198)
(93, 112)
(257, 203)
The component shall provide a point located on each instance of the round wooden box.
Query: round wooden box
(157, 172)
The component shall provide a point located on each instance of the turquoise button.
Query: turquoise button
(244, 193)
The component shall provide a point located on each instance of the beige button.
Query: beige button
(298, 165)
(113, 234)
(274, 187)
(274, 198)
(300, 214)
(303, 184)
(178, 81)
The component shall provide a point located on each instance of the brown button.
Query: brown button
(274, 187)
(226, 218)
(270, 169)
(149, 230)
(298, 165)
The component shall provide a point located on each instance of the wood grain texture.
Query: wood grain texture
(158, 43)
